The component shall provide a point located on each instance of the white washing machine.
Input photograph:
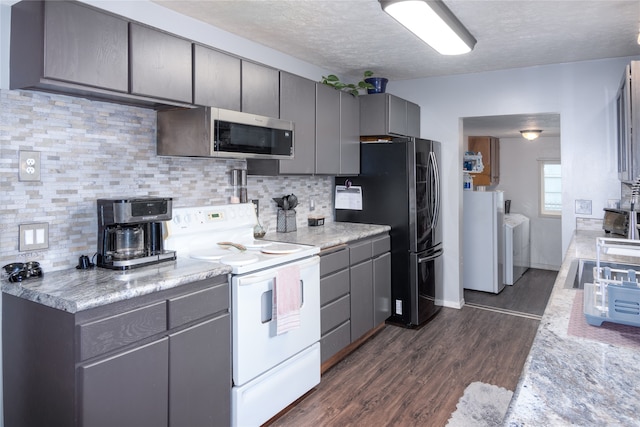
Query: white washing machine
(517, 252)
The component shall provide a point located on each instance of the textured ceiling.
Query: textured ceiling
(350, 36)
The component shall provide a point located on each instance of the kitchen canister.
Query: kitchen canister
(286, 221)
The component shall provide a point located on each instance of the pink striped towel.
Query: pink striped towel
(286, 299)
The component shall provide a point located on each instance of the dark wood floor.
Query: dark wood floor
(404, 377)
(529, 295)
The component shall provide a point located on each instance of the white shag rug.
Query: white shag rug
(481, 405)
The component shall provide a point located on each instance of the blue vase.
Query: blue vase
(379, 84)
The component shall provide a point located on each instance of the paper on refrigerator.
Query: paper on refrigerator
(349, 197)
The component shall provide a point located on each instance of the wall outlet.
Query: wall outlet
(34, 236)
(29, 166)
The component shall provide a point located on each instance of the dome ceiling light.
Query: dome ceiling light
(531, 134)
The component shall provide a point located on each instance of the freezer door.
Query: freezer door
(427, 274)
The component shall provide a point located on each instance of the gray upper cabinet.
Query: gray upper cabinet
(161, 64)
(337, 132)
(349, 134)
(327, 130)
(69, 43)
(298, 104)
(216, 78)
(385, 114)
(260, 90)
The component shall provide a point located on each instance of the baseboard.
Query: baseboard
(450, 304)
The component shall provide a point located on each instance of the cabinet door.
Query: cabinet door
(128, 389)
(216, 79)
(482, 144)
(361, 299)
(200, 374)
(298, 104)
(397, 115)
(161, 64)
(349, 134)
(495, 161)
(327, 130)
(85, 46)
(413, 119)
(260, 90)
(381, 288)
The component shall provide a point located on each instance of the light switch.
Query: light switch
(29, 166)
(34, 236)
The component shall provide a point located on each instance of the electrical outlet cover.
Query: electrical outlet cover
(29, 166)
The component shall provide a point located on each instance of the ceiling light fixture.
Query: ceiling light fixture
(432, 22)
(531, 134)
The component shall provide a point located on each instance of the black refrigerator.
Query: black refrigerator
(400, 186)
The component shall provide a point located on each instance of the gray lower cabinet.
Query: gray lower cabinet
(161, 64)
(216, 78)
(128, 389)
(355, 292)
(335, 305)
(67, 42)
(260, 90)
(385, 114)
(381, 288)
(158, 360)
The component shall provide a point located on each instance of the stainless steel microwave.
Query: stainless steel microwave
(214, 132)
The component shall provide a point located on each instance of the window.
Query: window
(550, 188)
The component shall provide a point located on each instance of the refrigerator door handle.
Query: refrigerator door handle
(429, 257)
(436, 185)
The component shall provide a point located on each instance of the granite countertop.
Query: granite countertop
(76, 290)
(330, 234)
(577, 374)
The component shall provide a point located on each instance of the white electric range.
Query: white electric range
(271, 368)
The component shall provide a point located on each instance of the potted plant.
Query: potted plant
(353, 89)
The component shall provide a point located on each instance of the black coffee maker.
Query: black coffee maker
(130, 232)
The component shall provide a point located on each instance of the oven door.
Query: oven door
(256, 346)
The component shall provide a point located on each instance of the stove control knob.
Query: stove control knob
(177, 219)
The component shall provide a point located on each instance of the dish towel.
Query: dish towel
(287, 298)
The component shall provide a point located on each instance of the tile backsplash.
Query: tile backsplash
(91, 150)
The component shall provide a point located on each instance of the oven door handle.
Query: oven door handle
(255, 278)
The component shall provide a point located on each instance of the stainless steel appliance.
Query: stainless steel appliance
(214, 132)
(616, 221)
(271, 368)
(130, 232)
(400, 183)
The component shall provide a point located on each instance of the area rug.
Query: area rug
(608, 333)
(481, 405)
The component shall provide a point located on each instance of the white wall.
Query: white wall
(519, 179)
(582, 93)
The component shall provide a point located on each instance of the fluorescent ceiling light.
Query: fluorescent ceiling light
(531, 134)
(432, 22)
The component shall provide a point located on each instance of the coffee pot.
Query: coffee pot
(130, 232)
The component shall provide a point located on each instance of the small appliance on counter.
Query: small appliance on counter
(130, 232)
(616, 221)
